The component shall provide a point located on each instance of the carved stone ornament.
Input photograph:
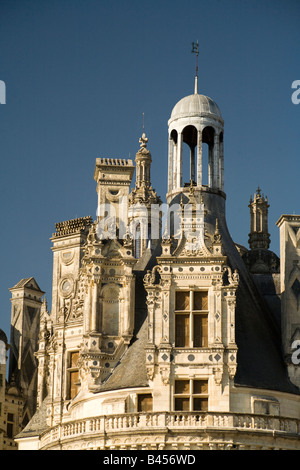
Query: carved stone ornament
(231, 371)
(150, 371)
(165, 373)
(128, 240)
(218, 375)
(150, 276)
(233, 277)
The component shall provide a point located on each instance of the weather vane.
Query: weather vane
(195, 50)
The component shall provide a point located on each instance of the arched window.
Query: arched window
(189, 152)
(172, 166)
(207, 156)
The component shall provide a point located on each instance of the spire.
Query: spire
(143, 189)
(259, 236)
(143, 164)
(195, 50)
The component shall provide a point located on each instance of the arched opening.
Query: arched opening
(189, 152)
(174, 136)
(208, 134)
(172, 170)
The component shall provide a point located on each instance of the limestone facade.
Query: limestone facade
(289, 226)
(171, 341)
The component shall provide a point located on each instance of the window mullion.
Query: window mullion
(191, 318)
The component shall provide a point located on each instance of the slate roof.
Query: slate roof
(257, 332)
(131, 370)
(24, 283)
(37, 425)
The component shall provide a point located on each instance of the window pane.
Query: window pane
(200, 331)
(74, 359)
(182, 387)
(200, 387)
(145, 402)
(200, 404)
(200, 300)
(74, 378)
(182, 330)
(182, 404)
(182, 300)
(9, 430)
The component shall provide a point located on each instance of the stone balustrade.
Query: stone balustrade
(160, 423)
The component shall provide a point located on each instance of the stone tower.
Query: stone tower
(289, 226)
(26, 304)
(193, 306)
(196, 121)
(259, 259)
(259, 236)
(144, 217)
(113, 177)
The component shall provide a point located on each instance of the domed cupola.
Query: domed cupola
(194, 106)
(196, 120)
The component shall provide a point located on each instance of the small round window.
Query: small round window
(66, 286)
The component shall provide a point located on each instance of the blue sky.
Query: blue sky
(80, 73)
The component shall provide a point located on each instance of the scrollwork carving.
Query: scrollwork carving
(233, 277)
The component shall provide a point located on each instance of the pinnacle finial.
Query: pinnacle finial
(143, 140)
(196, 86)
(181, 202)
(195, 50)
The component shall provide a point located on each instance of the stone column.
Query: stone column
(210, 165)
(94, 307)
(199, 158)
(221, 166)
(144, 233)
(216, 157)
(192, 164)
(179, 161)
(143, 173)
(87, 309)
(170, 164)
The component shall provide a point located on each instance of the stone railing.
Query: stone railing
(159, 422)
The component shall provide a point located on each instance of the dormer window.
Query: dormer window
(191, 319)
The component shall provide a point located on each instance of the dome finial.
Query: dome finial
(195, 50)
(143, 141)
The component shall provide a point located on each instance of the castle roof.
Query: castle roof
(28, 282)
